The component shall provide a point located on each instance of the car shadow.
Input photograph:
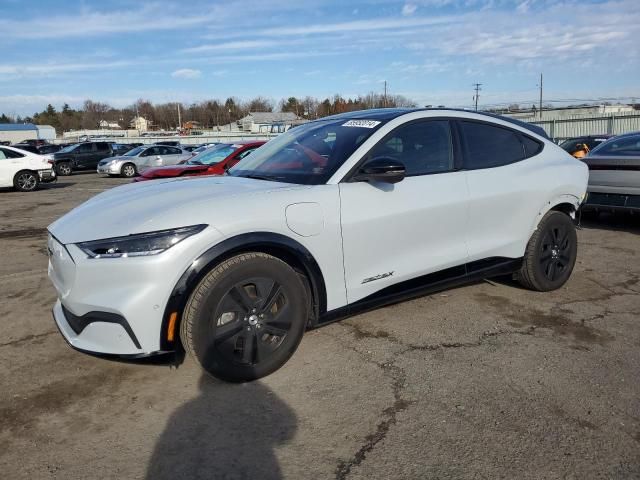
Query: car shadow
(227, 431)
(611, 220)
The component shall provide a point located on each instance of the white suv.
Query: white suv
(335, 216)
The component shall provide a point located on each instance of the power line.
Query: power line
(477, 95)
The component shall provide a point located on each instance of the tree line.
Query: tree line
(208, 113)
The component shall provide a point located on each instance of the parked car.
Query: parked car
(614, 174)
(331, 217)
(213, 161)
(49, 148)
(81, 156)
(190, 148)
(27, 147)
(140, 159)
(35, 142)
(203, 147)
(121, 148)
(579, 147)
(168, 143)
(24, 170)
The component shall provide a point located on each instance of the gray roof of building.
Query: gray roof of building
(269, 117)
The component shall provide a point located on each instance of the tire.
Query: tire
(26, 181)
(245, 318)
(128, 170)
(63, 169)
(551, 253)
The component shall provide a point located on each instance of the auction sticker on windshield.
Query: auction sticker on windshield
(361, 123)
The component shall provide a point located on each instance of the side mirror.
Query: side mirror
(381, 169)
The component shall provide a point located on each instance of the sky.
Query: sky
(431, 51)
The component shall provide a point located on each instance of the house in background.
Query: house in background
(141, 124)
(109, 125)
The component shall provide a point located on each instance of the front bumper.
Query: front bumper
(98, 336)
(112, 168)
(117, 305)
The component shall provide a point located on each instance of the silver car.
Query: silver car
(614, 174)
(141, 158)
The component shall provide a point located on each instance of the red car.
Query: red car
(213, 161)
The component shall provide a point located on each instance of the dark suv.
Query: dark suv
(81, 156)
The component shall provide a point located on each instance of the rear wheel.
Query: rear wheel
(128, 170)
(26, 181)
(551, 253)
(63, 168)
(246, 317)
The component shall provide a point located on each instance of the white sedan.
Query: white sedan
(331, 218)
(24, 170)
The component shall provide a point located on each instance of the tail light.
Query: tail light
(50, 162)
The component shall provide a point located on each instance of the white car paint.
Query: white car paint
(363, 236)
(27, 161)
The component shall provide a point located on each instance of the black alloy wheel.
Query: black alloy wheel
(555, 254)
(252, 321)
(551, 253)
(246, 317)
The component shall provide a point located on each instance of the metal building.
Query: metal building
(18, 132)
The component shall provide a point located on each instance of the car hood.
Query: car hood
(150, 206)
(117, 158)
(173, 170)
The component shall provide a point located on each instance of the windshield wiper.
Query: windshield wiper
(259, 177)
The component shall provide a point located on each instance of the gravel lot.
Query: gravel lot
(485, 381)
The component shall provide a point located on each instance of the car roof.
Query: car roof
(391, 113)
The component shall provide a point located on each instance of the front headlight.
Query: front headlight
(138, 245)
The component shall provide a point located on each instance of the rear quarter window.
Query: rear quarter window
(488, 146)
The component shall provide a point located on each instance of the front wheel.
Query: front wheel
(246, 317)
(128, 170)
(26, 181)
(551, 253)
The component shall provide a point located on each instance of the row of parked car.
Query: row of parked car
(614, 169)
(613, 161)
(27, 166)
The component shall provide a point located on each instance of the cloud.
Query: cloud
(357, 26)
(49, 69)
(409, 9)
(239, 45)
(92, 23)
(186, 74)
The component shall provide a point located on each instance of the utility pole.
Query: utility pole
(477, 95)
(540, 105)
(179, 118)
(385, 93)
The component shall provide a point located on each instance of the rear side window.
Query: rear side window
(531, 147)
(101, 147)
(6, 153)
(84, 148)
(488, 146)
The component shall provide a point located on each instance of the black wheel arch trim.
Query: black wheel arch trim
(267, 242)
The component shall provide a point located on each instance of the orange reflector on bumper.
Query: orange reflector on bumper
(172, 326)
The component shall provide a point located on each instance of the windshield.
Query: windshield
(69, 148)
(212, 155)
(629, 145)
(308, 154)
(134, 152)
